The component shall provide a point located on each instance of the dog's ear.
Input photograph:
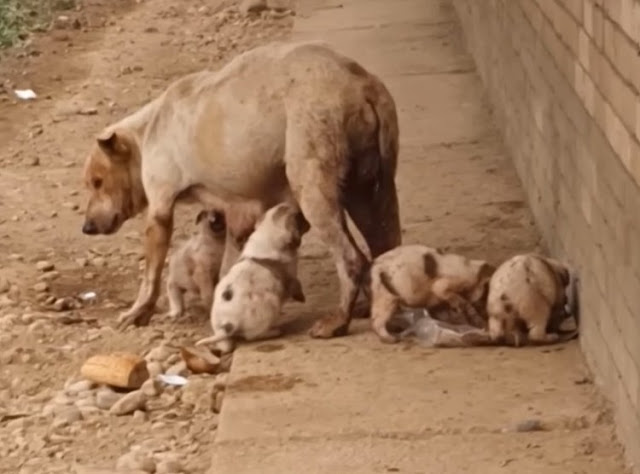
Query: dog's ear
(116, 145)
(295, 290)
(200, 216)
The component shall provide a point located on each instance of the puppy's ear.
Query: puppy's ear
(486, 271)
(200, 216)
(295, 290)
(116, 145)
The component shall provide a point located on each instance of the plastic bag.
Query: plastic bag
(433, 333)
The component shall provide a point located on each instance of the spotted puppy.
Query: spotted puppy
(527, 300)
(195, 266)
(419, 276)
(248, 300)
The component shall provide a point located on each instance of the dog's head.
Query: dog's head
(282, 226)
(484, 271)
(112, 175)
(212, 221)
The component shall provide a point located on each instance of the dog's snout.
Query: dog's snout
(89, 228)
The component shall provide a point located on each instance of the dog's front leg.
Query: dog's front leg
(157, 237)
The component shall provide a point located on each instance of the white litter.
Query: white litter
(175, 380)
(88, 296)
(25, 94)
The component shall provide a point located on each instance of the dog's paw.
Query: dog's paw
(333, 325)
(135, 316)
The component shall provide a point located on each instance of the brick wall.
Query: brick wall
(564, 79)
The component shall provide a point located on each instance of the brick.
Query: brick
(583, 48)
(622, 53)
(575, 8)
(618, 136)
(598, 26)
(566, 27)
(587, 17)
(621, 97)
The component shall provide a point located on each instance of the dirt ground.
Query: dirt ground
(87, 75)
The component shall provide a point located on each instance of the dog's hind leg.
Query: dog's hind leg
(315, 156)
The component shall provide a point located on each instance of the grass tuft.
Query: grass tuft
(18, 17)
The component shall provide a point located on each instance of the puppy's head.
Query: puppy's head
(282, 226)
(212, 221)
(112, 176)
(480, 291)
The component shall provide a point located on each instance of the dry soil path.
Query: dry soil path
(353, 405)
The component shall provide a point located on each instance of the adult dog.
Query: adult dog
(294, 122)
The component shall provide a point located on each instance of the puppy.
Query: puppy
(249, 298)
(527, 300)
(419, 276)
(195, 266)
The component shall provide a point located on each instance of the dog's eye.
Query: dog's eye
(97, 183)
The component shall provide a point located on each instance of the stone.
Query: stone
(152, 387)
(5, 284)
(136, 461)
(45, 266)
(67, 416)
(159, 354)
(252, 6)
(80, 386)
(41, 287)
(106, 398)
(129, 403)
(179, 368)
(154, 368)
(169, 466)
(139, 416)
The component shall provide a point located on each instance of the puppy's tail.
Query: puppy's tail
(225, 332)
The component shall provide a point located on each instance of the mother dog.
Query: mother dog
(294, 122)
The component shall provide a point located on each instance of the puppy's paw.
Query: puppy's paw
(333, 325)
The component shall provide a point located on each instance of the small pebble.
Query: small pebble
(135, 461)
(106, 398)
(528, 425)
(131, 402)
(45, 266)
(41, 287)
(66, 416)
(179, 368)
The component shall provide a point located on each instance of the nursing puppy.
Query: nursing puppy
(419, 276)
(527, 301)
(195, 266)
(249, 298)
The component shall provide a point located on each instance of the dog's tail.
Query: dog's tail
(224, 332)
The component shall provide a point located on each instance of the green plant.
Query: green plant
(17, 17)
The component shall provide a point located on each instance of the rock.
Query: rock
(99, 262)
(159, 354)
(199, 360)
(139, 416)
(169, 466)
(63, 304)
(252, 6)
(41, 287)
(5, 284)
(131, 402)
(81, 386)
(82, 262)
(106, 398)
(527, 426)
(45, 266)
(49, 276)
(154, 368)
(136, 461)
(152, 387)
(217, 406)
(221, 381)
(280, 5)
(67, 416)
(179, 368)
(199, 394)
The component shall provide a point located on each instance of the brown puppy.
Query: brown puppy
(527, 290)
(419, 276)
(195, 266)
(295, 123)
